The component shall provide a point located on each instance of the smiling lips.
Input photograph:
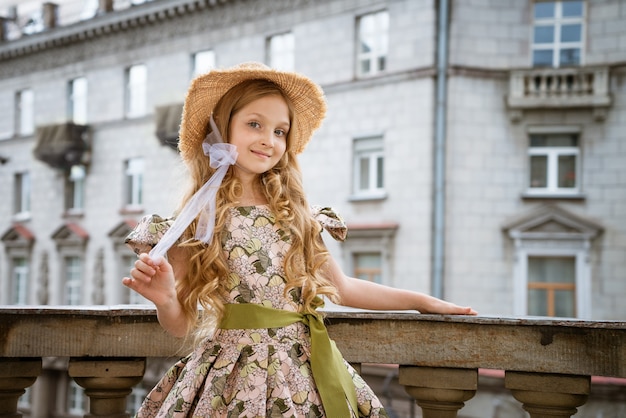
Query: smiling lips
(261, 154)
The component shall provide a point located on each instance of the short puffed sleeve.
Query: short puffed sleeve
(147, 233)
(330, 221)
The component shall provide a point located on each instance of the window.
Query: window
(552, 286)
(75, 189)
(136, 91)
(134, 182)
(373, 39)
(77, 101)
(73, 272)
(203, 62)
(21, 203)
(552, 269)
(19, 281)
(281, 52)
(76, 399)
(368, 266)
(25, 112)
(26, 400)
(553, 164)
(558, 33)
(369, 250)
(369, 167)
(134, 400)
(130, 296)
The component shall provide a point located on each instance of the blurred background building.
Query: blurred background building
(476, 148)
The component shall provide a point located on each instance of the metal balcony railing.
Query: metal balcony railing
(548, 363)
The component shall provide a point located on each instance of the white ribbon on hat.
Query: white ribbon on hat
(202, 203)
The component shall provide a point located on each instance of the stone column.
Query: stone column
(16, 374)
(107, 382)
(548, 395)
(440, 392)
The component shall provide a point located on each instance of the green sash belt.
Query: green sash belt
(333, 380)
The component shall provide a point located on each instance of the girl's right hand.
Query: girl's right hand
(153, 279)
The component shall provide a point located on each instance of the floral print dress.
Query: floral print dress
(253, 372)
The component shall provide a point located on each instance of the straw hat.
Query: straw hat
(207, 89)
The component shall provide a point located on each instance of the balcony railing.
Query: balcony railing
(560, 88)
(548, 363)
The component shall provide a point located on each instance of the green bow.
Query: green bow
(332, 378)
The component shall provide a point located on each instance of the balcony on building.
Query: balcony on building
(548, 363)
(559, 89)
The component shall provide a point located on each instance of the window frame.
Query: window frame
(136, 98)
(549, 288)
(196, 68)
(134, 184)
(369, 239)
(371, 272)
(77, 100)
(75, 190)
(281, 52)
(552, 154)
(550, 231)
(19, 285)
(377, 57)
(582, 300)
(22, 194)
(371, 149)
(72, 286)
(557, 22)
(76, 395)
(25, 112)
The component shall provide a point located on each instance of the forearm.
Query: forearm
(362, 294)
(172, 318)
(368, 295)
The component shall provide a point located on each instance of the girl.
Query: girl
(247, 248)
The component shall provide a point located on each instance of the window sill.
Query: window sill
(553, 196)
(21, 217)
(131, 210)
(368, 197)
(74, 213)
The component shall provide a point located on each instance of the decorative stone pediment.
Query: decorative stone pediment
(120, 232)
(122, 229)
(18, 236)
(552, 222)
(70, 234)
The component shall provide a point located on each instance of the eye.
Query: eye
(254, 124)
(280, 132)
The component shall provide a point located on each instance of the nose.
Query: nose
(268, 139)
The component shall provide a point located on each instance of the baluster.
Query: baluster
(440, 392)
(543, 83)
(107, 382)
(548, 395)
(16, 374)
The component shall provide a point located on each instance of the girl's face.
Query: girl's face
(259, 131)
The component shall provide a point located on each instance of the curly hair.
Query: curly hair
(205, 282)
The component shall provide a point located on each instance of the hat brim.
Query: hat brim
(207, 89)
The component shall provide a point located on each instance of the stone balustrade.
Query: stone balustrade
(548, 362)
(560, 88)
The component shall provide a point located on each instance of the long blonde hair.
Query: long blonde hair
(205, 282)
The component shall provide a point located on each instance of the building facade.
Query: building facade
(476, 149)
